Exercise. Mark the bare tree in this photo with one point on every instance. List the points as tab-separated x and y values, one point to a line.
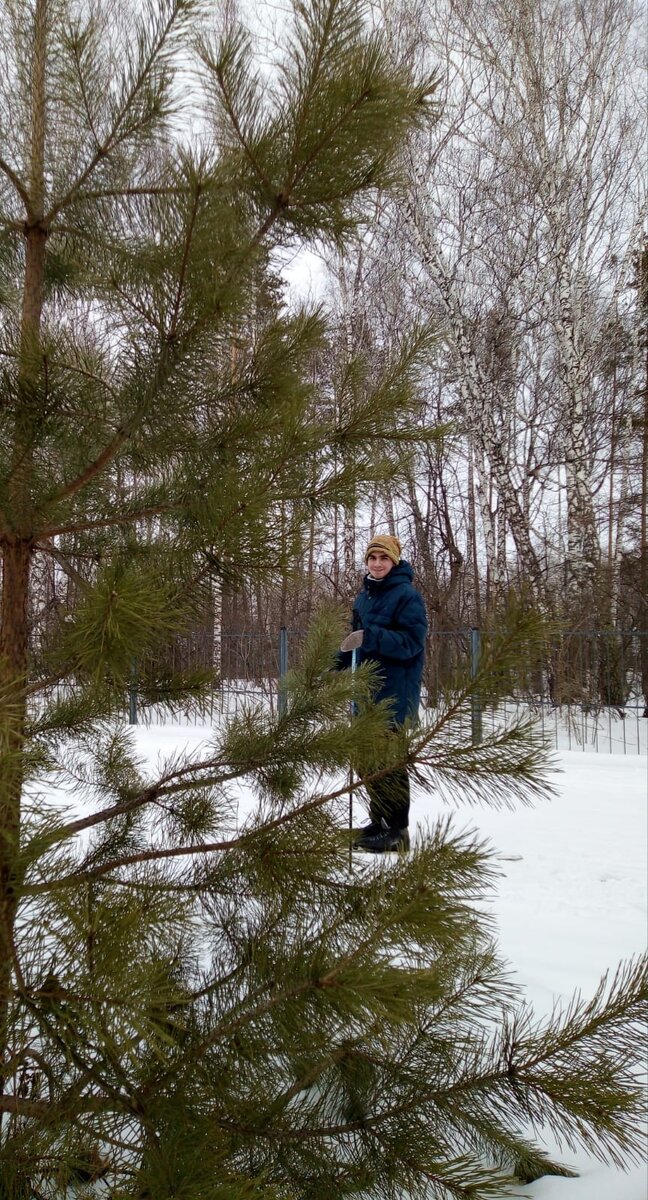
521	219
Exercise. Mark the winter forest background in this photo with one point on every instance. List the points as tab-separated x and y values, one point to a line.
521	242
274	276
518	251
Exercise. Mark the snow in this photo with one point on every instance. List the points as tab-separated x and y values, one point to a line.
594	1183
571	902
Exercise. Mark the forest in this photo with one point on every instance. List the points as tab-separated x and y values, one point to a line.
274	277
509	271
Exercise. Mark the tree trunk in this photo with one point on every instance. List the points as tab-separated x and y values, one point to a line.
475	395
473	593
13	667
18	534
482	492
583	551
643	548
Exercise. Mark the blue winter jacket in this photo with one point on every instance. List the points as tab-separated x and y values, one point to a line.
392	614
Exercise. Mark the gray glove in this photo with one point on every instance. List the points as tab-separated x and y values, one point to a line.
353	640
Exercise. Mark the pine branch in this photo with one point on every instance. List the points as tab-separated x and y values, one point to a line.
182	274
248	252
61	1038
231	57
63	562
195	849
40	685
325	31
112	522
325	141
166	786
146	190
81	80
460	1178
161	853
167	363
94	468
17	183
135	307
114	137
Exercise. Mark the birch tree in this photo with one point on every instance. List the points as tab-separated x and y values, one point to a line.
523	216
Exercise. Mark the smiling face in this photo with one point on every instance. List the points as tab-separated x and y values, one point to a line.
379	564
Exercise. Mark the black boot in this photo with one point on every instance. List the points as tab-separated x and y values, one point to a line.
389	800
382	839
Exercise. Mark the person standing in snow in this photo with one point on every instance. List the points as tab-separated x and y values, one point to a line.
389	627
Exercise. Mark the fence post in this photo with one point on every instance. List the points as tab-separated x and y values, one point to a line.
475	699
132	695
283	666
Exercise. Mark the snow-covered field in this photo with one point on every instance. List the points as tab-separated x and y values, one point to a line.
571	903
572	900
572	727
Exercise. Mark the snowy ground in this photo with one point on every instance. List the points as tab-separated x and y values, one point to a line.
572	727
571	903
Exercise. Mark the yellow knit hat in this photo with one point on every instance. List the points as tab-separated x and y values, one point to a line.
385	544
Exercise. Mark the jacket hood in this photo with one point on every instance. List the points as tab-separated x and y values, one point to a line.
400	573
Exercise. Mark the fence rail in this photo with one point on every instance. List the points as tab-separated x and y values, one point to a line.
586	689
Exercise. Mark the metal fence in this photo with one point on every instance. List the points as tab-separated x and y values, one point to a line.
584	689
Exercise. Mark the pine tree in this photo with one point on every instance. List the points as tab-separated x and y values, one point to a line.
188	1008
